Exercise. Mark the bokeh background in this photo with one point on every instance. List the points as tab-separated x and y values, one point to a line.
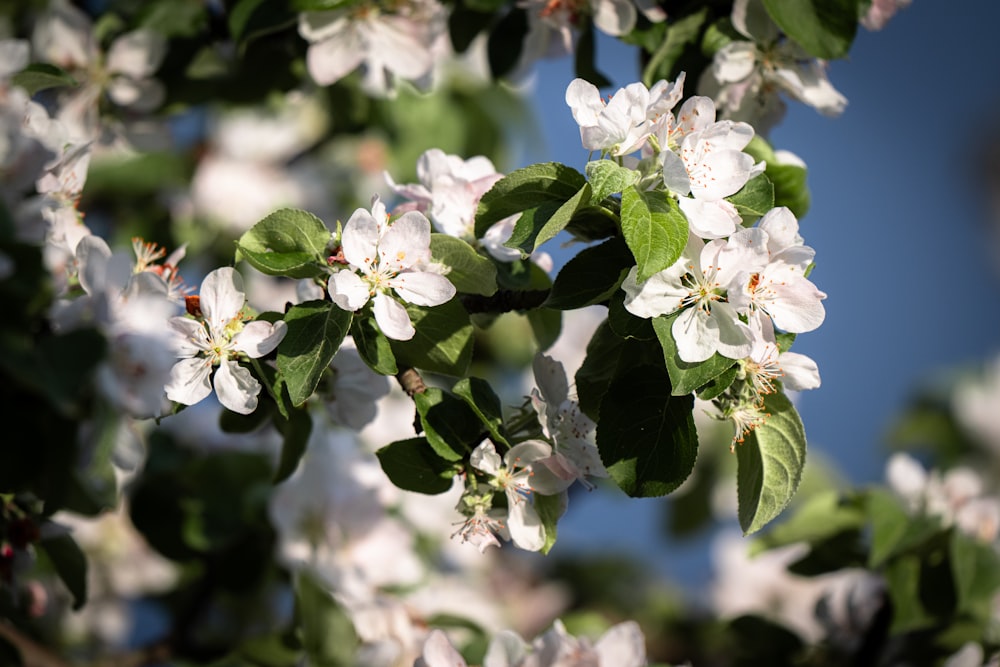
904	222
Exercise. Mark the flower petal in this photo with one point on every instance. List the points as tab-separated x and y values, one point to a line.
259	337
189	381
348	290
236	388
221	297
392	318
423	288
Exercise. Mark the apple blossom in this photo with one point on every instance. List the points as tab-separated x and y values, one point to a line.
385	256
403	44
575	455
697	285
220	338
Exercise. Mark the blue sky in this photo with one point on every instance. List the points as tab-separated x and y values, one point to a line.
897	220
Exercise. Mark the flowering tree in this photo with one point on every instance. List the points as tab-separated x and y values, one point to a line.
384	387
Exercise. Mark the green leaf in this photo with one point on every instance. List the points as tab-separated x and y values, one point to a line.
646	436
550	509
624	323
894	531
288	242
249	19
470	273
686	377
682	33
770	463
527	188
902	577
655	230
373	346
295	432
824	28
504	46
327	633
754	199
452	428
976	571
480	397
609	355
585	54
821	516
39	76
790	187
538	225
442	342
591	277
70	564
607	177
413	465
315	331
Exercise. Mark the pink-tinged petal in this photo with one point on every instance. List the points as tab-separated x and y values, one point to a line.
734	338
406	242
782	229
332	59
695	114
735	61
584	100
392	318
615	17
553	475
259	337
137	54
359	240
524	524
710	219
400	45
423	288
800	371
190	381
221	297
438	652
796	306
662	294
727	135
506	649
485	458
348	290
623	646
721	174
190	337
92	256
524	454
744	252
236	387
675	175
550	376
695	334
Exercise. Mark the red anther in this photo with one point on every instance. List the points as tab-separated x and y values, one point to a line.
192	304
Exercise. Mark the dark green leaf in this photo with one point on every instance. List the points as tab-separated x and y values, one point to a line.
754	199
592	276
414	465
609	355
504	46
328	635
824	28
470	272
624	323
821	516
70	564
315	331
295	432
540	184
249	19
682	33
480	397
442	342
686	377
646	436
288	242
655	229
717	385
607	177
976	571
550	509
39	76
452	428
373	346
585	54
894	531
770	463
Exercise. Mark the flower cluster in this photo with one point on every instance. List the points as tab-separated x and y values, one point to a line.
734	286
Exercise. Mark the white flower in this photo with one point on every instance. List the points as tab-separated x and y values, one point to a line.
622	125
220	339
623	645
571	431
386	257
356	389
767	363
518	477
697	284
780	289
404	44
